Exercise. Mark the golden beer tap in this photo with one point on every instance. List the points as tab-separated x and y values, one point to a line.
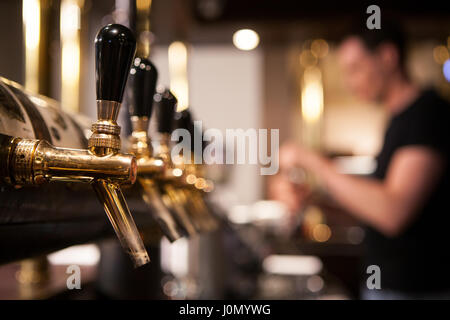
140	92
194	184
179	189
169	180
36	161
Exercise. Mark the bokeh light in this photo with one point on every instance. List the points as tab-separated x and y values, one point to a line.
307	59
319	48
191	179
321	232
440	54
446	70
245	39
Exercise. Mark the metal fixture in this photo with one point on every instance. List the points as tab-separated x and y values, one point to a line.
168	180
192	183
174	181
36	161
141	88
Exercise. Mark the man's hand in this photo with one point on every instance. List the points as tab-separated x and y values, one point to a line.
294	155
387	205
289	186
292	195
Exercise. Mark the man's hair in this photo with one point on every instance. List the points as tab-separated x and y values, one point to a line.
390	32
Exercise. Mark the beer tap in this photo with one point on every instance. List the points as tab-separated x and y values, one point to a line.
36	161
141	89
193	184
178	188
169	181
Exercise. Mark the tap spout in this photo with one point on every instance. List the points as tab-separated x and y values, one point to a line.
116	208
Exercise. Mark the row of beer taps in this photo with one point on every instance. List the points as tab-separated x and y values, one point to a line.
174	192
168	188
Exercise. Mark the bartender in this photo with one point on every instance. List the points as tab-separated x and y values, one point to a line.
406	203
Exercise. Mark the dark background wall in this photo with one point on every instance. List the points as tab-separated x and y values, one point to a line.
11	40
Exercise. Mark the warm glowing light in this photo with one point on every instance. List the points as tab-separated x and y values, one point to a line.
209	186
70	63
319	48
178	74
245	39
178	160
31	20
191	179
440	54
292	265
87	254
446	70
143	4
200	183
313	215
307	59
177	172
70	18
312	95
70	54
321	232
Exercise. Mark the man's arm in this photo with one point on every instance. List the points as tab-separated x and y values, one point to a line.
386	205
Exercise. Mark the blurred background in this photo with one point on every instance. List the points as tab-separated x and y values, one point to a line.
234	64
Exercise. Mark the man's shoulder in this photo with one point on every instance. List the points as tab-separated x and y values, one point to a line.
430	101
426	122
430	108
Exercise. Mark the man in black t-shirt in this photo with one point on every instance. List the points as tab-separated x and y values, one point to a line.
406	204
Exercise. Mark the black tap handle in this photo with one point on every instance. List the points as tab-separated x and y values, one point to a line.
183	120
141	87
165	110
115	46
